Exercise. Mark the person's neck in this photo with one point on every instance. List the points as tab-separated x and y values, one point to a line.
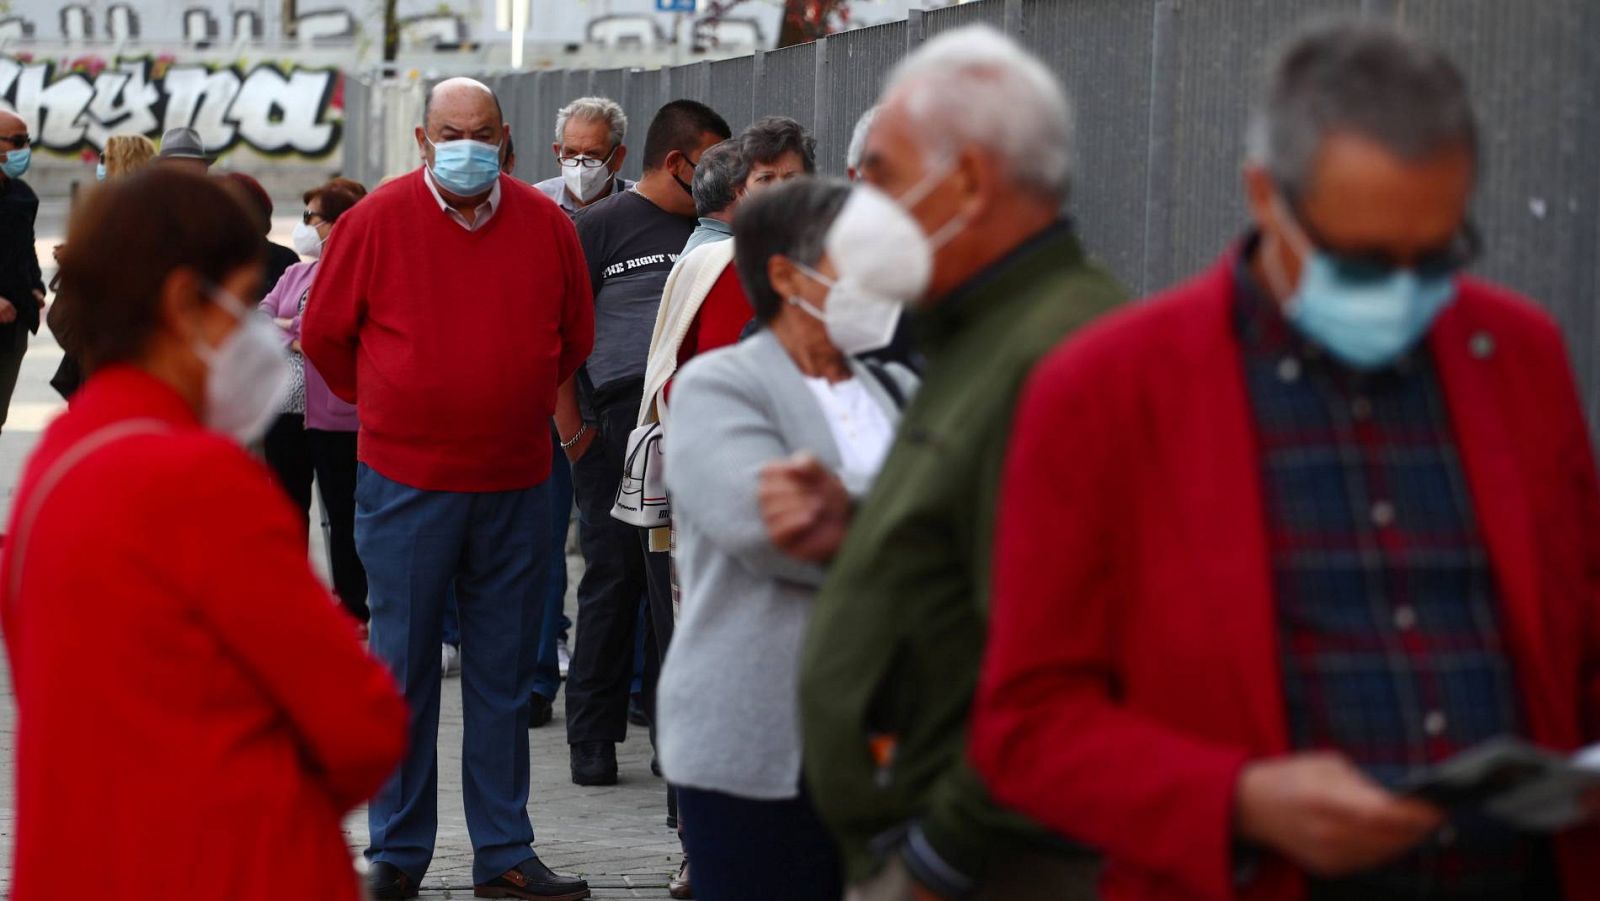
808	346
660	188
166	369
725	217
997	238
466	206
1262	272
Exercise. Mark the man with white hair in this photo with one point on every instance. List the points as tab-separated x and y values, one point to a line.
858	144
966	168
589	146
1279	545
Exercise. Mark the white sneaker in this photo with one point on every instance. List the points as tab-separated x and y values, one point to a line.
563	658
451	661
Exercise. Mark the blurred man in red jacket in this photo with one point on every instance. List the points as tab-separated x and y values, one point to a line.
1266	549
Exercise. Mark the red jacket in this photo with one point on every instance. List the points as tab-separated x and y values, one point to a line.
451	343
1133	662
192	705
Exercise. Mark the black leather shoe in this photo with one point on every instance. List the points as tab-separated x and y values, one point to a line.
594	763
388	882
681	887
532	879
544	710
636	714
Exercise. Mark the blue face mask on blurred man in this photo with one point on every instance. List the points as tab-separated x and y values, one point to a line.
465	168
1366	314
17	161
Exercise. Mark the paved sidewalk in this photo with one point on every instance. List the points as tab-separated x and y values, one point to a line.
615	837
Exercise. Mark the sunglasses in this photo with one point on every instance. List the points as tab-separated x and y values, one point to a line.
17	141
307	216
1369	266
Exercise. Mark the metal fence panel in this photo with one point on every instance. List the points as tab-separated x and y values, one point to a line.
858	62
731	92
989	12
1101	49
1212	66
1535	80
788	85
643	94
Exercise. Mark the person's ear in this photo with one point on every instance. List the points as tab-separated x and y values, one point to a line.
784	276
422	143
618	157
1259	191
555	148
181	302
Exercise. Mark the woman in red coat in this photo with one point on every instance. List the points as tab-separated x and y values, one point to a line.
191	701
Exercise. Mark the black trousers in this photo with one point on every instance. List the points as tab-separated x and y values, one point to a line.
297	454
13	345
618	573
743	848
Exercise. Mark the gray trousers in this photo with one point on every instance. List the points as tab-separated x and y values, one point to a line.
1024	876
13	345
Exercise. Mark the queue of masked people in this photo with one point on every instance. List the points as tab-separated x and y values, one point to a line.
947	571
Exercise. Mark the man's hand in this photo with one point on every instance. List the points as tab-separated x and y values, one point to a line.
576	451
805	507
8	312
38	297
1322	813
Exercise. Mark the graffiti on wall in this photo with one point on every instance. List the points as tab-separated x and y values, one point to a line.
274	110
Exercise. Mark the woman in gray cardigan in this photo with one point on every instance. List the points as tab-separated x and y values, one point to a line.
728	703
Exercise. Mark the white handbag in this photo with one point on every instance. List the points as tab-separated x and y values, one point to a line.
642	494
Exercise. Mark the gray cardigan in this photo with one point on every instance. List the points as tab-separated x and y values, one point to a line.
728	701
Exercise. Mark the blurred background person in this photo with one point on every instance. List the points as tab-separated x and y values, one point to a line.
124	155
718	185
182	148
589	146
314	433
1363	477
455	399
247	717
858	144
279	258
729	703
967	165
21	280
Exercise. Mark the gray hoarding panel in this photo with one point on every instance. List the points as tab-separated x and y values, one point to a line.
608	83
987	12
732	94
641	97
789	84
1216	57
1101	51
1534	71
858	62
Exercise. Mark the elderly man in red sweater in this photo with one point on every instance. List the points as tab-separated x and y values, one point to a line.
1278	544
451	304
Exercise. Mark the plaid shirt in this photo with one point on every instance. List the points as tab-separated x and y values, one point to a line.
1388	622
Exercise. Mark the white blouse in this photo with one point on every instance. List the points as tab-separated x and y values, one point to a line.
860	427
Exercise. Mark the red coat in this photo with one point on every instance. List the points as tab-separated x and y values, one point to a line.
1133	662
195	714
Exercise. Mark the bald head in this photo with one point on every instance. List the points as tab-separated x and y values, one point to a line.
11	123
461	101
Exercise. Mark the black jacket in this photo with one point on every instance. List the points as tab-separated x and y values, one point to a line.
19	265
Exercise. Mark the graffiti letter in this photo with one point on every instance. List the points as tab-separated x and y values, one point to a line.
199	98
123	102
276	114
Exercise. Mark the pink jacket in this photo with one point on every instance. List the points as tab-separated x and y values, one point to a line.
323	410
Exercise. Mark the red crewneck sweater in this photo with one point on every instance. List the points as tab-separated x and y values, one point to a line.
451	343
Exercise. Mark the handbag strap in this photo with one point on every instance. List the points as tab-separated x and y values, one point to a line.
890	386
95	441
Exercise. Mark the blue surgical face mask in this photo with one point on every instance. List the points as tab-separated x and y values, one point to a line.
17	162
100	171
1367	323
465	168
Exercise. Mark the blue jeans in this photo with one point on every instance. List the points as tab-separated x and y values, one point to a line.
494	547
547	672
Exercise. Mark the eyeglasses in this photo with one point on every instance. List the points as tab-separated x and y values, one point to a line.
1356	267
584	160
17	141
308	215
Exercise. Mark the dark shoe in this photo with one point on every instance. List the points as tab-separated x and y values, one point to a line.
636	714
655	766
594	763
543	710
680	887
388	882
532	879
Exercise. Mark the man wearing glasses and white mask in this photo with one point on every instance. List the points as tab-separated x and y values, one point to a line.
588	145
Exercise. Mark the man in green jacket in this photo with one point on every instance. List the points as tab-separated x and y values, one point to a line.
973	141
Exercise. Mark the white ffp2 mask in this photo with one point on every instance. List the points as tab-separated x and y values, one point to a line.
247	376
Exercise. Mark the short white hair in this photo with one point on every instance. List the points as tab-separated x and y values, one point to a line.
858	139
974	85
593	109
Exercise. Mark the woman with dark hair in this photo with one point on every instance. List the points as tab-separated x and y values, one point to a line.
315	432
183	681
728	702
775	150
258	201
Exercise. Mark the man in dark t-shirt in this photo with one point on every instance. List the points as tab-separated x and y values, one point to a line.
630	240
